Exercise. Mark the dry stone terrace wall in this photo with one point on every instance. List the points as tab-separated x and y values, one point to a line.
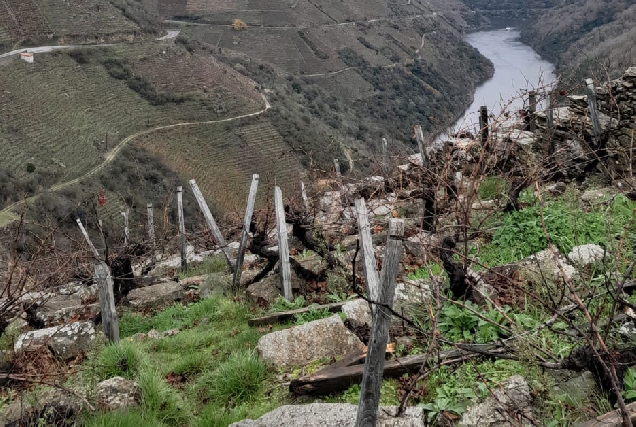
617	99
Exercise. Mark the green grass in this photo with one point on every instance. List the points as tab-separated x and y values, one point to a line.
220	377
568	224
210	265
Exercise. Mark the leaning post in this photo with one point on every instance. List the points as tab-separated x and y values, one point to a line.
368	255
126	231
88	240
216	232
283	245
483	123
182	234
374	363
110	323
428	220
249	211
151	226
593	108
532	100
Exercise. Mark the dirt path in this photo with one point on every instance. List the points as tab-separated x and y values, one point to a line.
7	215
44	49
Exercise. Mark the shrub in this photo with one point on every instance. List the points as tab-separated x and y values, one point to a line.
30	167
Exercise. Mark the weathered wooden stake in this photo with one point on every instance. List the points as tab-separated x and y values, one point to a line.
251	201
419	136
304	195
374	363
216	232
385	162
126	231
550	124
483	123
532	111
88	239
182	235
591	105
283	246
110	323
151	225
368	255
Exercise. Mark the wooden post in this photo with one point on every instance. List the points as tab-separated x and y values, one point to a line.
550	125
532	111
336	164
283	246
419	136
110	323
374	363
151	225
304	195
483	123
591	105
368	255
385	163
126	231
216	232
88	240
251	201
182	236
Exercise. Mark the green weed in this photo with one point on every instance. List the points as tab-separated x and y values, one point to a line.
210	265
123	359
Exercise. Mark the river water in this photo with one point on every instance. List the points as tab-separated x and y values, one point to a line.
518	69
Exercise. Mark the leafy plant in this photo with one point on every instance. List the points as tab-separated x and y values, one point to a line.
282	304
462	324
425	273
312	314
629	385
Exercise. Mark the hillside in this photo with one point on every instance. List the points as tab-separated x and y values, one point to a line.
582	37
26	23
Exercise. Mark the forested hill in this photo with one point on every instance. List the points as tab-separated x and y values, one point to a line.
582	37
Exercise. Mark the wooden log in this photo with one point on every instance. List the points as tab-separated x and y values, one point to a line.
216	232
247	220
374	364
283	245
611	419
110	323
550	125
368	255
329	381
151	225
284	316
483	123
182	235
88	239
593	108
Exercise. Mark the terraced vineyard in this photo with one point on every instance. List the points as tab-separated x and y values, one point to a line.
196	73
40	20
62	117
222	159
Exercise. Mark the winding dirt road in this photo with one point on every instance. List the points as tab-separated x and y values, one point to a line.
7	215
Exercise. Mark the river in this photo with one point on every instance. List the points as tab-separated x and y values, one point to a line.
518	69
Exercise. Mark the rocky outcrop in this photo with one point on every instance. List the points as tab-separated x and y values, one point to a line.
155	296
51	408
300	345
332	415
66	342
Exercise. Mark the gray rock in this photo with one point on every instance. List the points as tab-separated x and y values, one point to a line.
60	309
155	296
358	311
412	292
578	389
300	345
546	266
66	342
585	255
264	292
311	266
332	415
598	195
117	393
501	409
557	189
